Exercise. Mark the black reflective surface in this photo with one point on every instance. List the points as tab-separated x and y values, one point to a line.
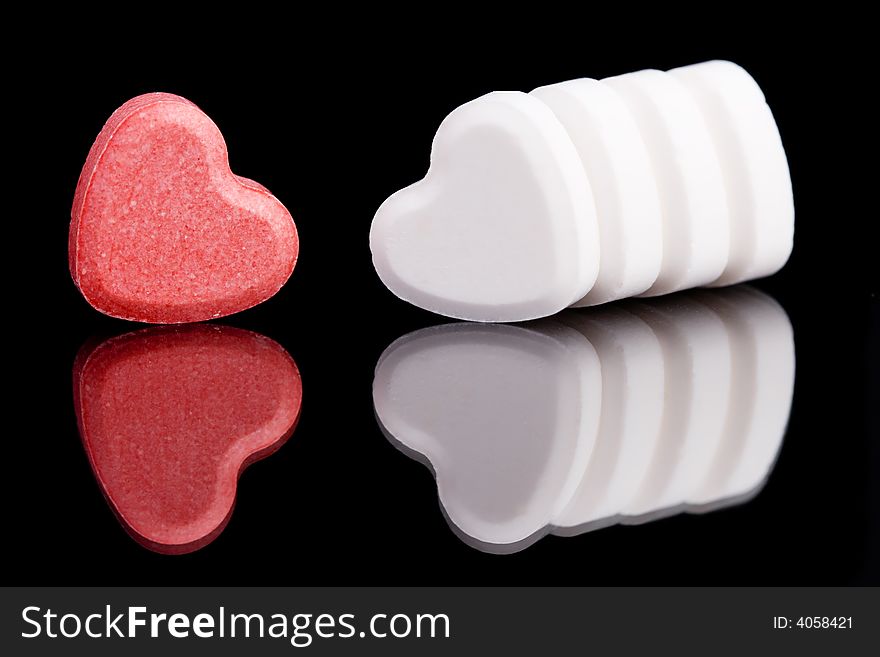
338	503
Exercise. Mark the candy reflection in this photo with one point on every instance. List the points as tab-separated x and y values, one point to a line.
616	415
170	416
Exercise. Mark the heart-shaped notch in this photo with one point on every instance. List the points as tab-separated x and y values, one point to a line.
502	227
170	416
161	229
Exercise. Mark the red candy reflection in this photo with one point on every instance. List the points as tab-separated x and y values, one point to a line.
169	418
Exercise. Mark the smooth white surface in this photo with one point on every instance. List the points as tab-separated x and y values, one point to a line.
589	191
696	233
618	167
625	414
754	165
502	227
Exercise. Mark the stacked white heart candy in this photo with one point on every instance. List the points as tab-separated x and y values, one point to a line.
588	191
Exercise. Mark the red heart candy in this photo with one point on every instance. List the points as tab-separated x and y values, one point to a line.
161	229
170	416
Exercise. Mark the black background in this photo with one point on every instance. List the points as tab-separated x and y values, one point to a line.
333	125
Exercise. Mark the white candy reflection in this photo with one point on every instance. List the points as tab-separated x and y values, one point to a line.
616	415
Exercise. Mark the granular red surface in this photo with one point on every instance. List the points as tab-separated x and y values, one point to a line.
170	416
162	231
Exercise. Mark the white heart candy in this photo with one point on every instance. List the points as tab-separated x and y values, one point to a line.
754	164
619	170
588	191
696	231
502	227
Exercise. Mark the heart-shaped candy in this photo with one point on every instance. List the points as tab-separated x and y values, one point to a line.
748	144
640	184
503	226
618	166
170	416
162	231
